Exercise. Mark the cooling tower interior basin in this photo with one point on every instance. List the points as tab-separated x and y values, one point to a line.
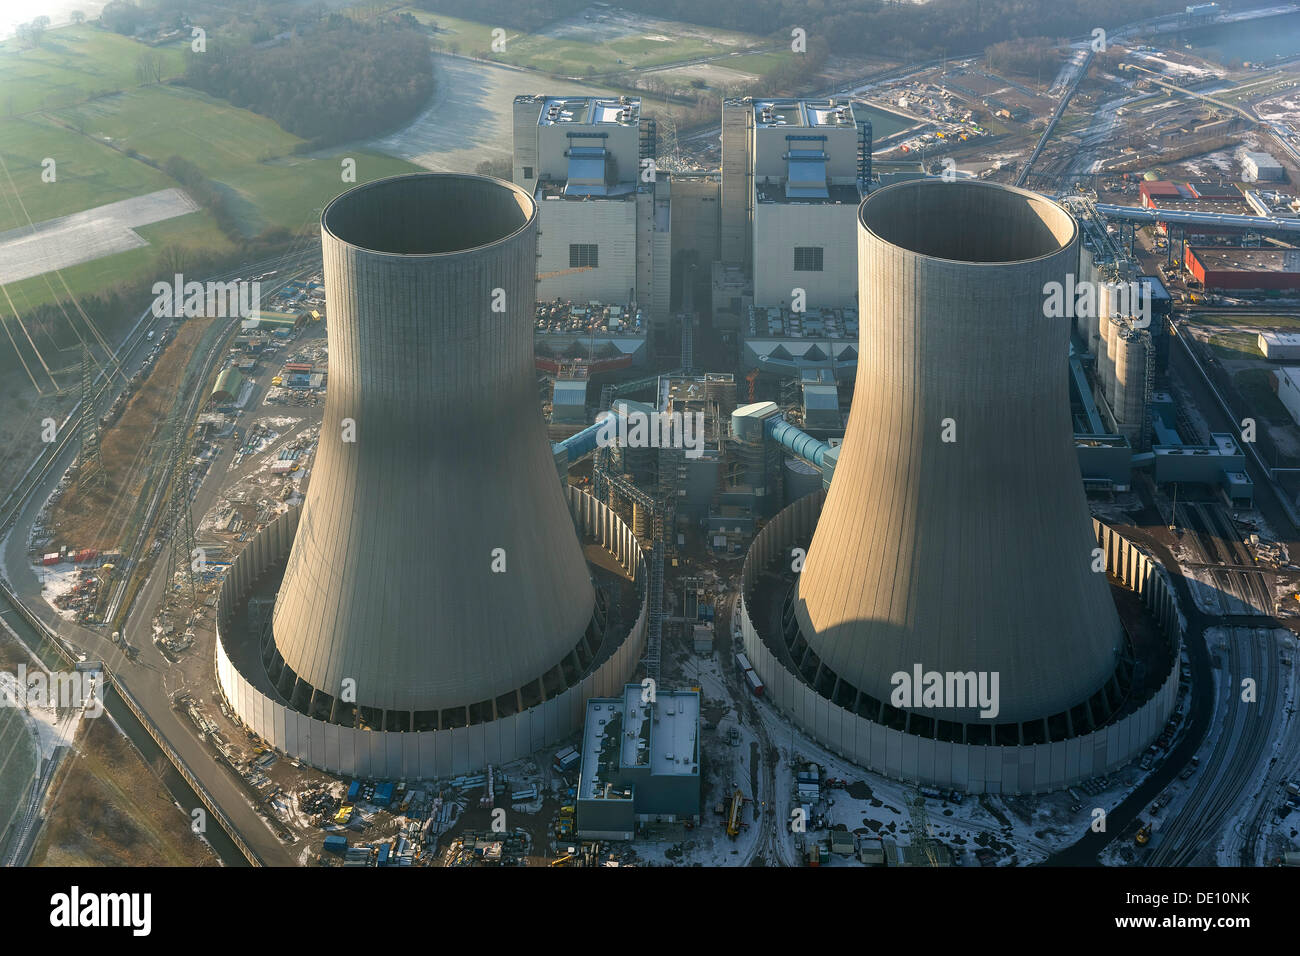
422	215
966	221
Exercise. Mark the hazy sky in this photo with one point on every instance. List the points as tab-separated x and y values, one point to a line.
14	12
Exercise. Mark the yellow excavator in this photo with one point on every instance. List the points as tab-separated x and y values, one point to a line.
1143	836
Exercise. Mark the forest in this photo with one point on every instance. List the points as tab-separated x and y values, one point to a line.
335	81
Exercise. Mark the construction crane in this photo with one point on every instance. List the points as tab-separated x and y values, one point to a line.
921	829
751	378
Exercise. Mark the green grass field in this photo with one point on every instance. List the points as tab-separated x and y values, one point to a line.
85	109
72	64
87	173
1257	390
574	56
247	153
1236	345
1279	322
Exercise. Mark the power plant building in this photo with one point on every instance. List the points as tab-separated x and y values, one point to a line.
605	224
434	609
640	762
792	177
955	538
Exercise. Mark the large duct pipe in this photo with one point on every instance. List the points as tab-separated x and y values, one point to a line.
955	534
436	564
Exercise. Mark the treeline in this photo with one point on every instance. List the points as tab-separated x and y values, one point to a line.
339	80
1034	56
526	15
204	192
857	27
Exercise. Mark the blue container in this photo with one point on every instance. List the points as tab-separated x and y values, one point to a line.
336	843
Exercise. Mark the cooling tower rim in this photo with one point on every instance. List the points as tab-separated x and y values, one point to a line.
967	184
526	200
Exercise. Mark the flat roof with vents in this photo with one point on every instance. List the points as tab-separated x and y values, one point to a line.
627	733
590	110
803	113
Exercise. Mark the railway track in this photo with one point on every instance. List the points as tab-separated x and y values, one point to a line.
1240	586
39	472
1227	775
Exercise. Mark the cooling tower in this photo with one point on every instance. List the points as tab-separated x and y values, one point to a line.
435	562
955	534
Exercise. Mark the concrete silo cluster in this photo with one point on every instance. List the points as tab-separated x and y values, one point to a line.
1122	342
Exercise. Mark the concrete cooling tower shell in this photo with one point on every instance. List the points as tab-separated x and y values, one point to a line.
435	563
955	534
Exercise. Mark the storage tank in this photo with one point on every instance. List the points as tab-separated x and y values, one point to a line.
1132	348
1085	319
1106	367
801	479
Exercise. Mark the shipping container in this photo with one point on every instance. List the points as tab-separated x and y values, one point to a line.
336	843
383	854
565	759
353	789
743	663
755	684
51	558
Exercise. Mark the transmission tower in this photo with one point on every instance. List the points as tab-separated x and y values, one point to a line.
670	154
179	518
90	468
921	829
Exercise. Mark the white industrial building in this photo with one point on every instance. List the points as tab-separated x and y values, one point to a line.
1287	383
604	217
1257	167
790	189
1280	346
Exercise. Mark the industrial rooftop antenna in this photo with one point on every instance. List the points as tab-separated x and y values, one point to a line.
90	468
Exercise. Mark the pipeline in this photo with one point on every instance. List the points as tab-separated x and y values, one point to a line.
796	440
